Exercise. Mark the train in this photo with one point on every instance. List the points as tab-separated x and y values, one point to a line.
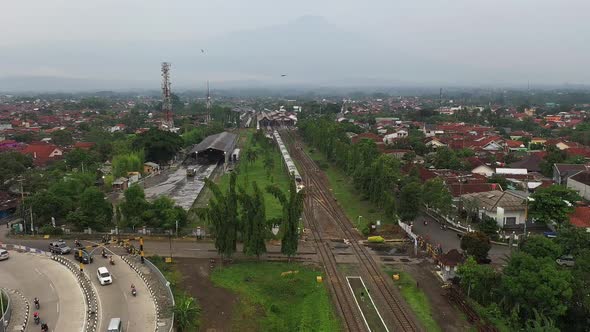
289	162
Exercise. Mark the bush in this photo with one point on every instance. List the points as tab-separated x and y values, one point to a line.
50	230
365	230
376	239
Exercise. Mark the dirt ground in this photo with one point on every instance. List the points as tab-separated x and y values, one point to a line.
216	303
449	318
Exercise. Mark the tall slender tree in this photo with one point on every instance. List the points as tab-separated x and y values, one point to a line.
292	209
253	223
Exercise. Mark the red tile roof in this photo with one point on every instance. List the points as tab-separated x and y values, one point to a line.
514	144
84	145
581	217
41	152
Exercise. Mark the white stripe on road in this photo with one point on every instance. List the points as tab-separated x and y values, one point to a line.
53	288
58	307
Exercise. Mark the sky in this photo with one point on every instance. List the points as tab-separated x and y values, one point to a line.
120	43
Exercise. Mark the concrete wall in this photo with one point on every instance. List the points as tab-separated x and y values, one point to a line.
581	188
519	215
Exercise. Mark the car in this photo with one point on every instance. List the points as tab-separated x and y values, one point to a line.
566	260
82	256
103	275
59	247
115	325
3	254
550	235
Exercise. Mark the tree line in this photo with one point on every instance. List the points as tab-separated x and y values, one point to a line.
377	176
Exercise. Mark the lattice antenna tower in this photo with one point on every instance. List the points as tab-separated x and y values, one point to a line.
208	104
166	93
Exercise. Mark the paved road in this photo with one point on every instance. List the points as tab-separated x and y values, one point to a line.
137	313
62	301
176	185
449	239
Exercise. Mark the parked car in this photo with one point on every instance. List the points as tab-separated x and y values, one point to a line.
550	235
566	260
82	256
3	254
103	275
115	325
59	247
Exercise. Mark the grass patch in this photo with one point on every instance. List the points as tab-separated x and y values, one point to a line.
255	172
348	196
270	302
415	298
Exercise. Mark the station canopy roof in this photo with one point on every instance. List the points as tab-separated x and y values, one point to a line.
224	142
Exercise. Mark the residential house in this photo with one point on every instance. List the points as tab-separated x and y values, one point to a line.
479	167
512	145
150	167
508	208
449	263
580	182
389	138
459	189
434	143
121	184
561	172
519	134
581	217
43	153
531	163
431	130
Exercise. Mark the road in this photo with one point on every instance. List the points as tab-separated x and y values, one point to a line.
449	239
61	299
175	184
137	313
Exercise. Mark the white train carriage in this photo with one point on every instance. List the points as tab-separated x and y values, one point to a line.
288	161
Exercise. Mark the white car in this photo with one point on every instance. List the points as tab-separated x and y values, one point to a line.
3	254
104	277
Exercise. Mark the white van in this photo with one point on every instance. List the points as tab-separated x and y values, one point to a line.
115	325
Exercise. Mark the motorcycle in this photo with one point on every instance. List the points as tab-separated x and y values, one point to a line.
37	305
133	291
36	318
44	327
112	261
104	254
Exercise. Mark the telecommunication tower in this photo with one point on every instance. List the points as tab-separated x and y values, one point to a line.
208	120
166	99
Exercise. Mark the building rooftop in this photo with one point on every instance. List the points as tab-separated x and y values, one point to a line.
490	200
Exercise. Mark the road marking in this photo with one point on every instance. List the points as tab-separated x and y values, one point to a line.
58	307
38	272
127	329
53	288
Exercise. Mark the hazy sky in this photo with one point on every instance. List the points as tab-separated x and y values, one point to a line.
367	42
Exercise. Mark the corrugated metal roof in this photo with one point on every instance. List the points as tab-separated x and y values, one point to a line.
223	142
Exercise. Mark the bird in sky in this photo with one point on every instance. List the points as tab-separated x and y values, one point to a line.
283	75
202	51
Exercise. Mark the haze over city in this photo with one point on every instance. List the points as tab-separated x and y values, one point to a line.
74	45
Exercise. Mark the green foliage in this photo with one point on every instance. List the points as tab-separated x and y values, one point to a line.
80	157
50	230
410	200
62	137
499	180
449	159
553	204
135	211
253	222
186	310
12	165
292	209
476	244
271	302
540	247
489	227
531	283
436	195
159	146
480	282
222	215
554	155
129	162
196	135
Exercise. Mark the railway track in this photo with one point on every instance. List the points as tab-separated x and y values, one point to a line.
317	193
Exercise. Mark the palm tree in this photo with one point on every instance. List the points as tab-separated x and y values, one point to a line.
292	209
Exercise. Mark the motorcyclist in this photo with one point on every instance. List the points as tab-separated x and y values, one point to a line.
36	317
44	327
36	301
104	253
112	261
77	243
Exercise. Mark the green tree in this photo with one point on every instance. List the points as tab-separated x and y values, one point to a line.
159	146
499	180
292	209
531	283
79	157
269	164
253	221
46	204
222	214
97	211
62	137
410	200
553	204
540	247
479	282
12	165
554	155
437	196
134	205
476	244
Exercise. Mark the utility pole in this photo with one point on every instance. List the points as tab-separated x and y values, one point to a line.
208	118
166	95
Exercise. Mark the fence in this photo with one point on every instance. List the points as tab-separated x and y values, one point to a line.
5	318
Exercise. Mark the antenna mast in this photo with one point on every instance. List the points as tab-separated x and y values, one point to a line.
166	93
208	104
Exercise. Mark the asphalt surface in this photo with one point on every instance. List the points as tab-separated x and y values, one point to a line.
448	238
175	184
115	300
61	300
